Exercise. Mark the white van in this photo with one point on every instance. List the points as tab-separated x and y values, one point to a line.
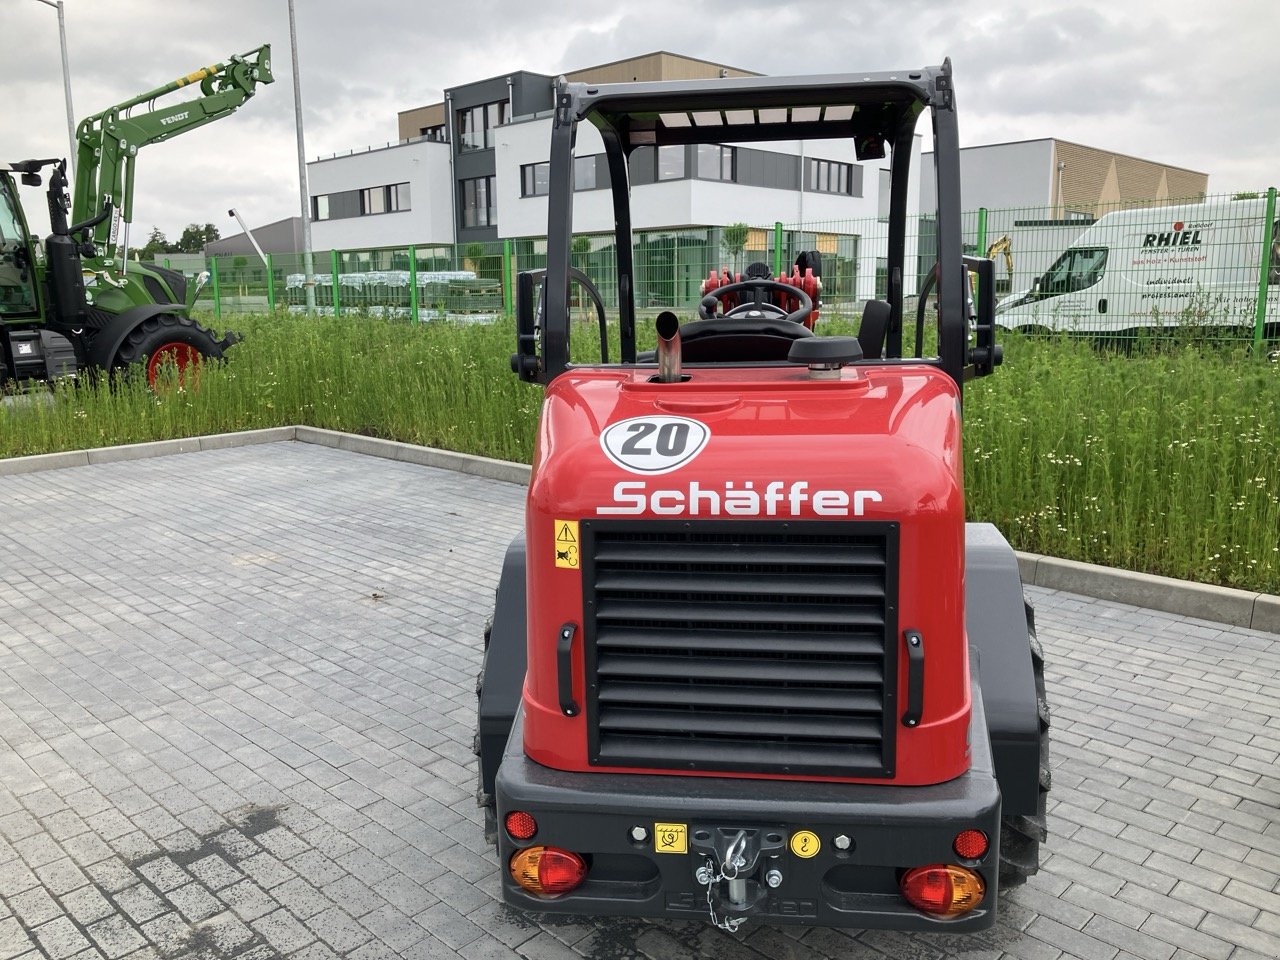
1164	267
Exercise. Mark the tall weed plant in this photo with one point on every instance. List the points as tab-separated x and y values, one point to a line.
1162	460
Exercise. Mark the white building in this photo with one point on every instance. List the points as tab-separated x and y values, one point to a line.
1042	194
474	169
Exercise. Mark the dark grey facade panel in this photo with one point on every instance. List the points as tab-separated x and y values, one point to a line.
477	234
345	204
643	166
530	93
283	236
762	168
474	94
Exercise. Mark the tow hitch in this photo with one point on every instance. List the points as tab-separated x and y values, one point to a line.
737	866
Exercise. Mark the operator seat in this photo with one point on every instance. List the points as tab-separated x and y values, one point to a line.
740	339
873	329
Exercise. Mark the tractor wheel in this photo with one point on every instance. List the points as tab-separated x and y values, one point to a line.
1021	835
165	341
485	801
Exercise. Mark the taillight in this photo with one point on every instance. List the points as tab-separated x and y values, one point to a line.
971	844
548	871
943	890
521	825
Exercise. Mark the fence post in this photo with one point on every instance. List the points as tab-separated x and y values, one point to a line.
508	274
333	270
777	248
1264	269
217	292
982	245
271	285
413	283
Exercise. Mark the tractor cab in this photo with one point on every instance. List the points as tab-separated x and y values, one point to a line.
18	291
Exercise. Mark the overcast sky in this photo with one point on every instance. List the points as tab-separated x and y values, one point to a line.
1185	82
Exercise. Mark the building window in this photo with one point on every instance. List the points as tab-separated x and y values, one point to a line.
436	133
829	176
715	162
320	208
478	203
476	125
373	200
398	197
671	162
584	173
535	179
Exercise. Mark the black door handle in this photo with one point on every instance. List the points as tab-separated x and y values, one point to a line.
564	669
915	678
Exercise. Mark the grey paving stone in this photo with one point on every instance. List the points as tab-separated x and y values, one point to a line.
282	931
194	902
59	938
14	941
248	900
116	937
168	932
34	907
87	905
140	903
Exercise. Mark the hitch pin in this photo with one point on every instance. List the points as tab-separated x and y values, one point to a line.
733	858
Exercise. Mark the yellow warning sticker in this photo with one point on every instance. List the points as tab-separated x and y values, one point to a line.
670	838
567	544
805	844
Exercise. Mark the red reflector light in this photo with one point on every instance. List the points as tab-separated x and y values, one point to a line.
943	890
548	871
971	844
521	825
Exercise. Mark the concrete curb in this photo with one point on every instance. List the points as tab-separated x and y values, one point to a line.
1241	608
485	467
141	451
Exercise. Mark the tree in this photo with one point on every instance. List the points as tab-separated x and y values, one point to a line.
194	237
734	240
156	245
473	254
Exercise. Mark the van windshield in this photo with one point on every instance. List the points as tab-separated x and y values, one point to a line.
1078	268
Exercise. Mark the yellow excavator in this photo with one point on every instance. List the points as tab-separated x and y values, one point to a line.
1003	246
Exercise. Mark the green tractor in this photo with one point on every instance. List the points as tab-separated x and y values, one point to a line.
82	305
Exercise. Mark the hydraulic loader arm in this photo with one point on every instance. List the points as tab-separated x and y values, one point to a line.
109	141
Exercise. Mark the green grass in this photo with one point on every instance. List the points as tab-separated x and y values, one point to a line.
1166	462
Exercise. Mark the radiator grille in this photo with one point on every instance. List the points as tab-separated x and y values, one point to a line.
753	646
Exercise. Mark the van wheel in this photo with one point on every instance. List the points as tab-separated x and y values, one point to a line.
1021	835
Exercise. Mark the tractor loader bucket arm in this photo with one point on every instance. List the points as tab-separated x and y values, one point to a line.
109	141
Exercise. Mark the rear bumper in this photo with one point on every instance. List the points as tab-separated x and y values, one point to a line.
889	828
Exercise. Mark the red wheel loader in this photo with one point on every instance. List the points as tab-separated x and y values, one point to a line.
747	660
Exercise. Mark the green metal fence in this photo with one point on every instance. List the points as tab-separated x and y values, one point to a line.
1209	266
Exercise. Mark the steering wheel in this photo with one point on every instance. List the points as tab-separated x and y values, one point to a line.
758	308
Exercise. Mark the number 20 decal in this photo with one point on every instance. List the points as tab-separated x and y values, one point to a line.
652	445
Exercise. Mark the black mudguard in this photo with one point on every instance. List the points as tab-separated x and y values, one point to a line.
504	665
106	342
999	625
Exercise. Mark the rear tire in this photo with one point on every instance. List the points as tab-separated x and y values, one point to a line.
485	801
167	339
1022	834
